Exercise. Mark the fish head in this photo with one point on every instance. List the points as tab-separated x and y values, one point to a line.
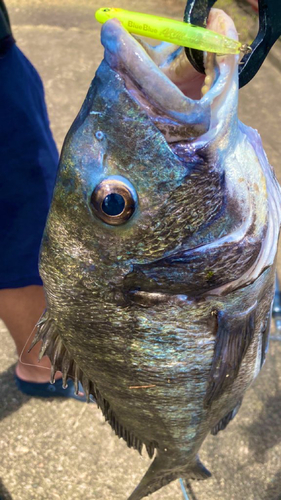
143	168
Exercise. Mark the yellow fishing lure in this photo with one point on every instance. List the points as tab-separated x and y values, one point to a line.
168	30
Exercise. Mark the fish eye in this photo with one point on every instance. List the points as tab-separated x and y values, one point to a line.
114	200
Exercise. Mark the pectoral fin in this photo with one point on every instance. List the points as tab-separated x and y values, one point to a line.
233	337
221	425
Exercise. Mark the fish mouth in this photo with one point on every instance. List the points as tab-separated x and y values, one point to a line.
180	101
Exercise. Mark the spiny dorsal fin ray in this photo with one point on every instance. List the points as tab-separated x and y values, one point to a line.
43	327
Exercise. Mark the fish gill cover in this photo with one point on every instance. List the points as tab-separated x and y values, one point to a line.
158	257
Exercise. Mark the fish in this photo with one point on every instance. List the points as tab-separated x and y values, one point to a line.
159	253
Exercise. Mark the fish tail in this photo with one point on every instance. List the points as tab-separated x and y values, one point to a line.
162	472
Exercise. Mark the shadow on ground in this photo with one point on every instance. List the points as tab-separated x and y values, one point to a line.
4	494
11	399
273	490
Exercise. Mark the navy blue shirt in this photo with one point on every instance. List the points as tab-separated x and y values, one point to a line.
28	165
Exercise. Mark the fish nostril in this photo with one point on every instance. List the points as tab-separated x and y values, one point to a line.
99	135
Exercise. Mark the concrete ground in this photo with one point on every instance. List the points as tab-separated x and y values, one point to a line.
63	449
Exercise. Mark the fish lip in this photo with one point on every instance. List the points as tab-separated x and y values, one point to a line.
126	55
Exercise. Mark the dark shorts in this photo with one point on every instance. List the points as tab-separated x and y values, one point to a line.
28	165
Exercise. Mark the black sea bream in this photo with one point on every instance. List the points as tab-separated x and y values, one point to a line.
158	258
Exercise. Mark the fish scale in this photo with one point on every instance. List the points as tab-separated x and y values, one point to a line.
161	310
